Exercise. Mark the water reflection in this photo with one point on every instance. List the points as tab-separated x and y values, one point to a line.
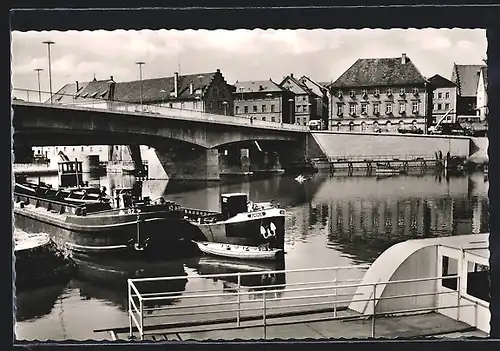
36	303
107	280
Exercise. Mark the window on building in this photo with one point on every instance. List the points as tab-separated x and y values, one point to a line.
339	125
376	109
434	95
254	108
352	92
414	107
447	95
434	107
237	109
352	109
304	98
263	108
339	93
439	107
402	107
351	127
340	110
272	108
364	109
389	91
263	118
446	107
388	108
364	92
376	92
363	126
440	95
210	105
305	108
402	91
415	91
273	119
246	109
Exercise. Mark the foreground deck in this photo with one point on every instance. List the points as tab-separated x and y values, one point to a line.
353	326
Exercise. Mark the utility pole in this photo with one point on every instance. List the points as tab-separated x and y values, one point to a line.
140	63
48	42
38	70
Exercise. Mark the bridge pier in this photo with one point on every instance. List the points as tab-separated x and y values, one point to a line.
189	163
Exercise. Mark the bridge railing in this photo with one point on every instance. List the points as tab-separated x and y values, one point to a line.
158	109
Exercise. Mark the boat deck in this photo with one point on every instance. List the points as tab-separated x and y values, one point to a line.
42	211
312	327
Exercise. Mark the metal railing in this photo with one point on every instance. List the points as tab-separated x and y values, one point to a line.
158	109
333	298
381	158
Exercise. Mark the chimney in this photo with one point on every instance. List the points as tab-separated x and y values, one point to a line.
403	59
176	84
77	86
291	75
191	88
218	70
111	78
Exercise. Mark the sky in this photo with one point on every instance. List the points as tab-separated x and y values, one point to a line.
322	55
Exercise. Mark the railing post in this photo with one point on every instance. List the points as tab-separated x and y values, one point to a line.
475	315
131	330
335	293
141	309
374	307
459	296
239	301
264	313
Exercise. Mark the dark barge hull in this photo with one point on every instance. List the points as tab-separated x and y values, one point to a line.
159	237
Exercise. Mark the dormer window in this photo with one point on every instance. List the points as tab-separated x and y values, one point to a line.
402	91
103	93
352	93
93	95
339	94
389	91
415	91
364	93
376	92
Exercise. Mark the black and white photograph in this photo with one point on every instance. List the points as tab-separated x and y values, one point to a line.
250	184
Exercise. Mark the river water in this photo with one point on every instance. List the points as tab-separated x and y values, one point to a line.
332	220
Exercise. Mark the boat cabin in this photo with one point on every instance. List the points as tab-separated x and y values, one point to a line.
233	204
70	173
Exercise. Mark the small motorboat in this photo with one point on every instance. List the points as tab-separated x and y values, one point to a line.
238	251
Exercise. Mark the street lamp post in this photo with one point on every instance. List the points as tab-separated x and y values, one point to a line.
140	63
48	42
38	70
163	92
291	110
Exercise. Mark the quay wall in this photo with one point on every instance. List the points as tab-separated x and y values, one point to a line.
352	145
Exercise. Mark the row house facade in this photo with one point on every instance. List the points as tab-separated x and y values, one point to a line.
321	97
444	99
386	93
263	100
466	77
307	104
205	92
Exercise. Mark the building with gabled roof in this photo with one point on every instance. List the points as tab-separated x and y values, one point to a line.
322	99
381	93
444	98
263	100
467	79
305	100
482	93
67	93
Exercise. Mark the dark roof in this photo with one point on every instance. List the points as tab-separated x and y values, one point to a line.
297	88
438	81
257	86
311	85
152	88
96	89
467	78
67	92
380	72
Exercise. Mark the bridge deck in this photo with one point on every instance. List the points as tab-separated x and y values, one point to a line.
312	327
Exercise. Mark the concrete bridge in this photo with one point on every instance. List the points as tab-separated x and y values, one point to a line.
189	144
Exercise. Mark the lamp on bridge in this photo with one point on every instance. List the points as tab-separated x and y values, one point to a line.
48	42
225	103
38	70
140	63
163	92
291	110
